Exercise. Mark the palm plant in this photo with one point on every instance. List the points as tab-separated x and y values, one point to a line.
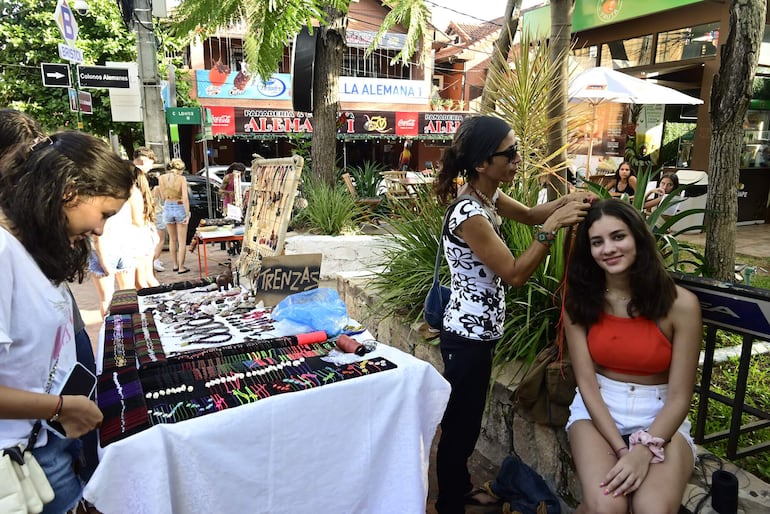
367	178
330	209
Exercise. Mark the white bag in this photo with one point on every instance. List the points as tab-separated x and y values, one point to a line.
24	488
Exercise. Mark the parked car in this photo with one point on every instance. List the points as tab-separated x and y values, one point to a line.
196	193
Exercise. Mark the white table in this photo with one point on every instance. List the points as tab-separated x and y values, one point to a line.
357	446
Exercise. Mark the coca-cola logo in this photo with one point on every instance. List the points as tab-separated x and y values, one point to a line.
222	119
407	124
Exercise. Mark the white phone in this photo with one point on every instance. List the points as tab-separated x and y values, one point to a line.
79	381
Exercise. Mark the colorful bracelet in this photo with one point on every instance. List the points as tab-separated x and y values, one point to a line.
654	444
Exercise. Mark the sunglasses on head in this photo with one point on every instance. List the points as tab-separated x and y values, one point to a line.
510	153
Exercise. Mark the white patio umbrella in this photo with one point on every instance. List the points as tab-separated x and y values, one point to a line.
598	85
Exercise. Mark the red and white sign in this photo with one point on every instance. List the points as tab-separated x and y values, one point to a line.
222	120
407	123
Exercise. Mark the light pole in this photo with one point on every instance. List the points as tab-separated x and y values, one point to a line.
153	115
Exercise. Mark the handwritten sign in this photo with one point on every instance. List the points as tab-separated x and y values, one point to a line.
283	275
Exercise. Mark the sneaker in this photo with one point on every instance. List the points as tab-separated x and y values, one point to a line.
158	266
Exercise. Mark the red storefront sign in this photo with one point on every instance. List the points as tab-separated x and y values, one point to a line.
239	120
222	121
432	123
407	123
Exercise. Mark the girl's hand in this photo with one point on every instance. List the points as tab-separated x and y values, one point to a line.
79	415
628	473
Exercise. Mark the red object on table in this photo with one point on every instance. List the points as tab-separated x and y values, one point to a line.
203	239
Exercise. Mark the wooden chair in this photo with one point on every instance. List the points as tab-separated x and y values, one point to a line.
367	205
395	188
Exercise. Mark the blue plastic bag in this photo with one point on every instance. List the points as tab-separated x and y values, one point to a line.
320	309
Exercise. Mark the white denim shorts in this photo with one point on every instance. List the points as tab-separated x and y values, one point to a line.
632	406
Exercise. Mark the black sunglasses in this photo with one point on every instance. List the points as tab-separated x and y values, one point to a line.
510	153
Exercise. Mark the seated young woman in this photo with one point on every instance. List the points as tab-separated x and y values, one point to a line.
634	338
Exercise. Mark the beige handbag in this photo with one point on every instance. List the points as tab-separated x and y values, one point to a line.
24	488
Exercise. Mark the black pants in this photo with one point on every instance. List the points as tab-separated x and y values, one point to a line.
467	368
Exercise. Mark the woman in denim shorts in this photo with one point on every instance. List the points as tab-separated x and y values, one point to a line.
634	337
176	211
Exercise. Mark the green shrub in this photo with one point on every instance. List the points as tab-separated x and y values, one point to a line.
367	178
330	210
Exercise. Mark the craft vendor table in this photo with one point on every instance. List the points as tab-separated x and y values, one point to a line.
359	445
215	236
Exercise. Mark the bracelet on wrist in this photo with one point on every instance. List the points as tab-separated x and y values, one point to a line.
545	237
617	452
57	412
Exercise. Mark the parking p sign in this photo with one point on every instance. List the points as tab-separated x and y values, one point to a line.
65	20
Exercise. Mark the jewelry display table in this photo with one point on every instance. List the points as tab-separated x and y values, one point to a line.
359	445
215	236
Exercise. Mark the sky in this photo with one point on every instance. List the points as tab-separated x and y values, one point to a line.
445	11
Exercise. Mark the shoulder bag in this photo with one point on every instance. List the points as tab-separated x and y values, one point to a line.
438	295
546	391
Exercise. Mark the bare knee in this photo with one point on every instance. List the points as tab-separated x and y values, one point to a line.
649	505
601	504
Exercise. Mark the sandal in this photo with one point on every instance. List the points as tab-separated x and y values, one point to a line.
470	497
184	270
175	269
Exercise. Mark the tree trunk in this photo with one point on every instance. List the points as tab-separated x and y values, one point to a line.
326	95
561	36
499	59
730	97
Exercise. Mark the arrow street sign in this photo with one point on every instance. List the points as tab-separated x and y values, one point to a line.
55	74
96	77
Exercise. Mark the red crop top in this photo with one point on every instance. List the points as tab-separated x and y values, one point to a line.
633	346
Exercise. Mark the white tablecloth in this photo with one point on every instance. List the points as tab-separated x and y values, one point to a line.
357	446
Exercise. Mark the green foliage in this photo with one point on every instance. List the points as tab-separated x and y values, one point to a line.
673	133
301	145
330	209
415	16
367	178
29	37
408	263
269	23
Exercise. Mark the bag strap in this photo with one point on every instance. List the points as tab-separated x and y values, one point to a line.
444	228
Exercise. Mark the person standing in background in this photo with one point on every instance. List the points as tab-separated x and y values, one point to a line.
160	225
146	233
176	211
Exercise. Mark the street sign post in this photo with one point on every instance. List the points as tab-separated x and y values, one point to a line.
65	20
85	102
55	74
183	116
101	77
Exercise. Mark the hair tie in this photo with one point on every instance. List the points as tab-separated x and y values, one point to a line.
40	142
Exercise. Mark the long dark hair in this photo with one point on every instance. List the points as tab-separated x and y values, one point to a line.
37	182
476	139
652	288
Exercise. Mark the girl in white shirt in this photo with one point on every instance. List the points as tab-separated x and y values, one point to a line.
54	195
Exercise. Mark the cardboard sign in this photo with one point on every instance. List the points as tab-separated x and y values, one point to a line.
283	275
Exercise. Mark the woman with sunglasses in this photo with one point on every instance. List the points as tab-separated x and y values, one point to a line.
484	152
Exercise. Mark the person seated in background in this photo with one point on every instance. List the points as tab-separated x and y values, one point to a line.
624	181
655	197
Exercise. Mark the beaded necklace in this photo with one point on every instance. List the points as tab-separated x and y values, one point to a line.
488	204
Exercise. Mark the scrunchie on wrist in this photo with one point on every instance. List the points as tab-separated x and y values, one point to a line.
654	444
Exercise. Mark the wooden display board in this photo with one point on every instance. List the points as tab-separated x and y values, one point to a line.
274	185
